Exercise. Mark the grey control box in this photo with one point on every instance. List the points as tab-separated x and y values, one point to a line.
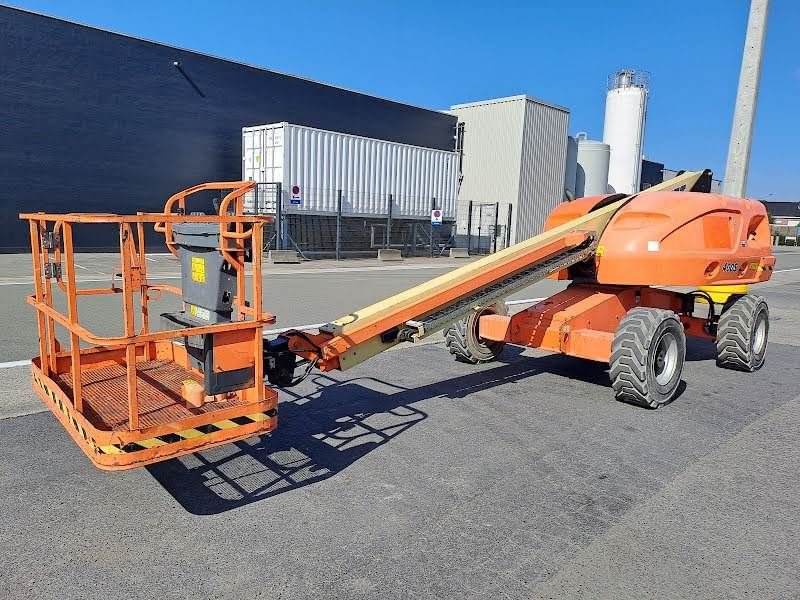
207	280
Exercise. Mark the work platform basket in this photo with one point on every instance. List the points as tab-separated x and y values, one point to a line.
122	399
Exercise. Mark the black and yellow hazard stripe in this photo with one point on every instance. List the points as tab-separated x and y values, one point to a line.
65	410
161	440
187	434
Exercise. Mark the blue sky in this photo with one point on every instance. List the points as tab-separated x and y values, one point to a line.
435	54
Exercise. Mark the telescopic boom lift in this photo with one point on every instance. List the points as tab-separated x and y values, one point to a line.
199	381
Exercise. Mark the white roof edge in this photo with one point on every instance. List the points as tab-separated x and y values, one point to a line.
516	98
215	57
363	137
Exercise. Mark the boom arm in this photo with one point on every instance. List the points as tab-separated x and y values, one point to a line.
429	307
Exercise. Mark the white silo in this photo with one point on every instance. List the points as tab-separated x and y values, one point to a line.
591	173
626	111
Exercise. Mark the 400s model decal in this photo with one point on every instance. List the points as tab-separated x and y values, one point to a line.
730	267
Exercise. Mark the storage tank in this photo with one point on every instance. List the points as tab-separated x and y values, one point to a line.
626	111
312	164
591	173
570	168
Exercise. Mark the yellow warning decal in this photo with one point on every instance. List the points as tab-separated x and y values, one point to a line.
198	269
600	250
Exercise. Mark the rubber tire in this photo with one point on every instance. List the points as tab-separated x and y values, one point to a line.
736	330
463	342
633	357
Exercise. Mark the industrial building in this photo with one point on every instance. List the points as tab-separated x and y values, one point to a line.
98	121
784	213
512	170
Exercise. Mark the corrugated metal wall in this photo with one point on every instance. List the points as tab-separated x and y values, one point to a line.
544	155
492	153
367	171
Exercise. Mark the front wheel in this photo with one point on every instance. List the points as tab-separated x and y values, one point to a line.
647	357
463	342
742	333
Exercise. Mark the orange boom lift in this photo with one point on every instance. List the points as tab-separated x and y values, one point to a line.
148	395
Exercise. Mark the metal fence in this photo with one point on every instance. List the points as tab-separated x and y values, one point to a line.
487	230
345	233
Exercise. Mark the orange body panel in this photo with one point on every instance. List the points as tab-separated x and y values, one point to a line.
565	212
679	238
581	320
686	238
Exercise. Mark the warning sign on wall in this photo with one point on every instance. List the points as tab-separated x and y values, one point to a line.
296	199
436	217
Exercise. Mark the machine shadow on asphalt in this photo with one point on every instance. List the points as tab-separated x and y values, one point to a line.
326	428
330	424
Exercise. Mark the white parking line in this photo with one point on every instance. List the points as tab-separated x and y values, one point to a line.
294	327
526	301
14	363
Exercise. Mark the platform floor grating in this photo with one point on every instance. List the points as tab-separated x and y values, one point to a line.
105	395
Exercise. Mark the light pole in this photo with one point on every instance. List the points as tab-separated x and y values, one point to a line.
735	183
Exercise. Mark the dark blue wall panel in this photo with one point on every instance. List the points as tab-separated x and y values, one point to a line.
95	121
652	173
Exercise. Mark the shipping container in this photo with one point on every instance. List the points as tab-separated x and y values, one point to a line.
313	164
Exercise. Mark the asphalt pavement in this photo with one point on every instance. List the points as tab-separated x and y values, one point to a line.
413	476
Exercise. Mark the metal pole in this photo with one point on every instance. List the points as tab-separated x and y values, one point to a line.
735	183
494	233
389	222
338	224
508	226
433	207
469	227
480	221
278	217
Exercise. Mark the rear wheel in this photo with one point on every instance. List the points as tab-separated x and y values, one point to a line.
647	357
742	333
463	342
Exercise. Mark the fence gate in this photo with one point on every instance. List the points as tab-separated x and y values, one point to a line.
483	228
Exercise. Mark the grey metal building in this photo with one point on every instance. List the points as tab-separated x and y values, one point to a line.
512	168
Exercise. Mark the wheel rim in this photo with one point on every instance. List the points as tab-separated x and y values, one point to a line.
759	335
666	358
